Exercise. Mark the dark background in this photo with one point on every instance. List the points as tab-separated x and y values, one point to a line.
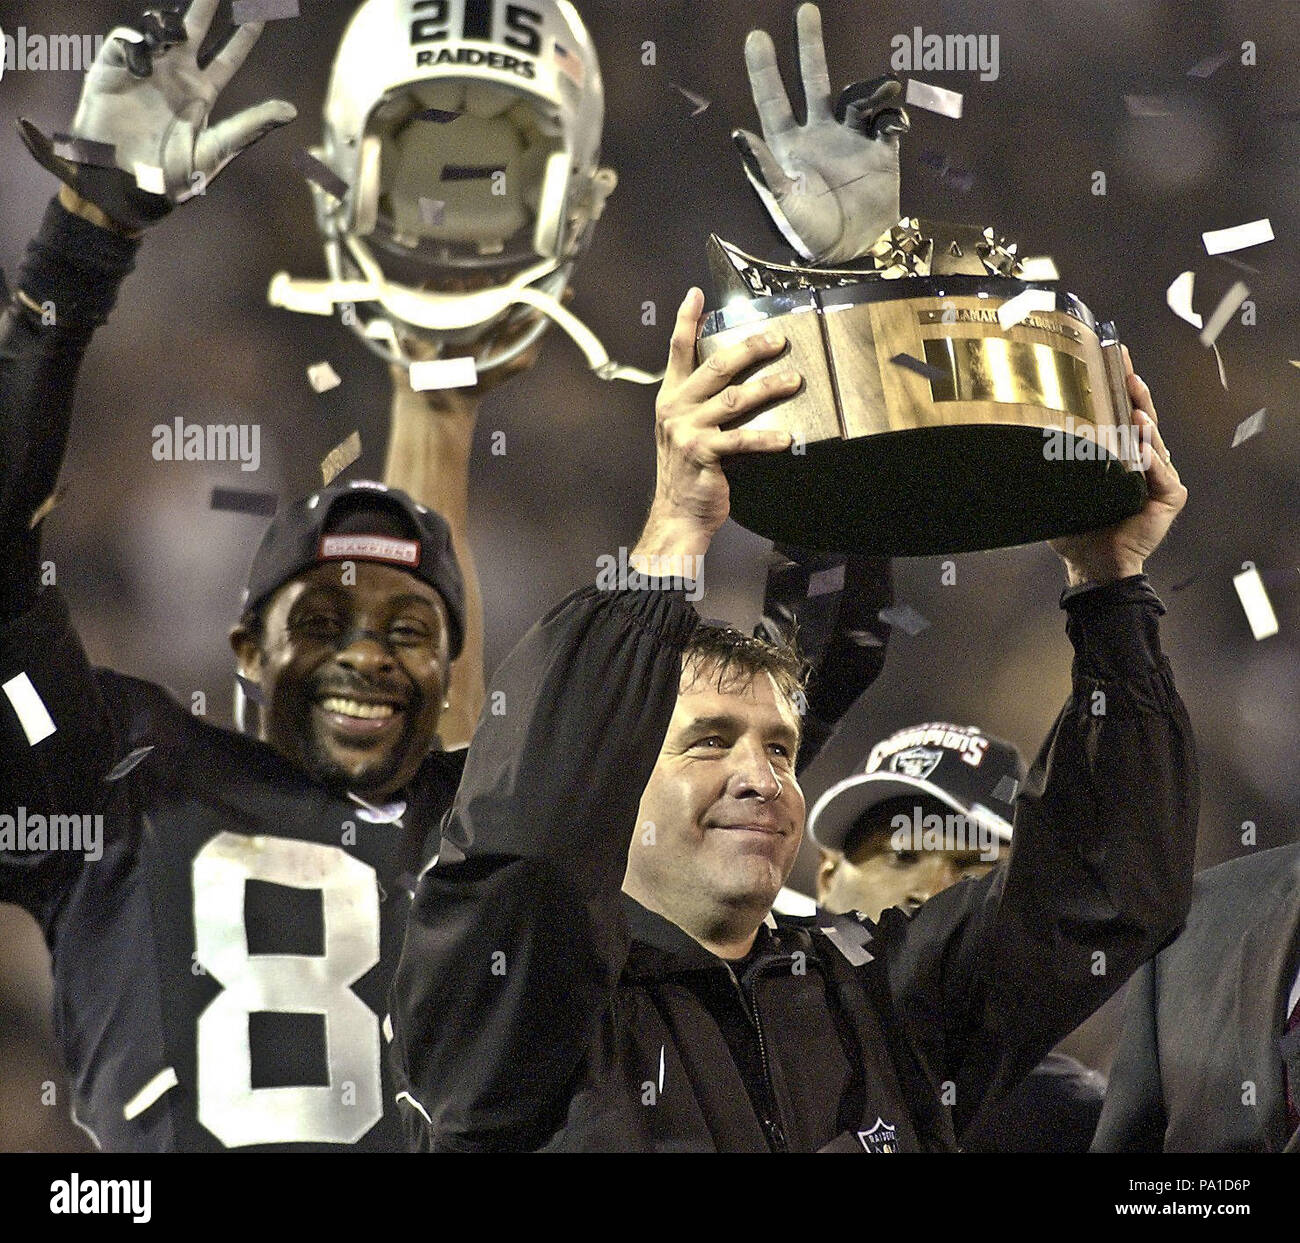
154	576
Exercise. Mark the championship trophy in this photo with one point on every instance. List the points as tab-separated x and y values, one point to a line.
927	423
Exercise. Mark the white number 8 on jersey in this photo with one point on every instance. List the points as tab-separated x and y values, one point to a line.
228	1105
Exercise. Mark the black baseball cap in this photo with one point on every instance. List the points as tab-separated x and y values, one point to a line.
360	521
960	765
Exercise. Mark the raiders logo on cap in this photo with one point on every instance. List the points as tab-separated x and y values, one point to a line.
918	762
960	766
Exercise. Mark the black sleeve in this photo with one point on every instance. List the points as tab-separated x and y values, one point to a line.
1055	1109
68	284
1133	1115
990	974
829	605
62	773
516	937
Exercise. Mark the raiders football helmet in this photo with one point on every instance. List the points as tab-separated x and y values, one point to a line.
465	139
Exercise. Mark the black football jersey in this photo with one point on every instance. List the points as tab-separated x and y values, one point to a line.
223	929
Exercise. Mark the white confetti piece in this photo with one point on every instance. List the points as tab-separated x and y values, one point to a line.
1038	268
1016	309
158	1086
1254	600
823	582
1206	68
1239	237
33	716
1146	106
697	100
1218	358
850	941
934	98
322	377
444	373
340	458
1249	427
150	179
1179	298
1227	308
906	618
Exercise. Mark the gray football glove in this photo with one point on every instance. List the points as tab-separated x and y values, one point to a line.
140	142
831	184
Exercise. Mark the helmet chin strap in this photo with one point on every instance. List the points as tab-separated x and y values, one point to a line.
597	356
443	312
381	337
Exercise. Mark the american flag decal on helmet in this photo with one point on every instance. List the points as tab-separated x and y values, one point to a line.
570	65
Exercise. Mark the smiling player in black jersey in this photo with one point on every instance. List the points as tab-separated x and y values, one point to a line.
221	956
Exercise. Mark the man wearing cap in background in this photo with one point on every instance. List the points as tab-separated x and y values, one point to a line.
933	806
224	915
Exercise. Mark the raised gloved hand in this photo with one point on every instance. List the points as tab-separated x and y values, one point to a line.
831	184
145	108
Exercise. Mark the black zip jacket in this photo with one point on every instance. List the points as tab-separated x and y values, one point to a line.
537	1007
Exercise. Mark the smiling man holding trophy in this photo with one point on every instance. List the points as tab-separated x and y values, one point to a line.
592	962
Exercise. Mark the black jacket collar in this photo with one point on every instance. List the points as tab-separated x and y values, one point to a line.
677	949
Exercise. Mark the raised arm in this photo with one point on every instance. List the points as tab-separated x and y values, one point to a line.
142	118
65	290
830	606
429	448
430	444
990	974
142	121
